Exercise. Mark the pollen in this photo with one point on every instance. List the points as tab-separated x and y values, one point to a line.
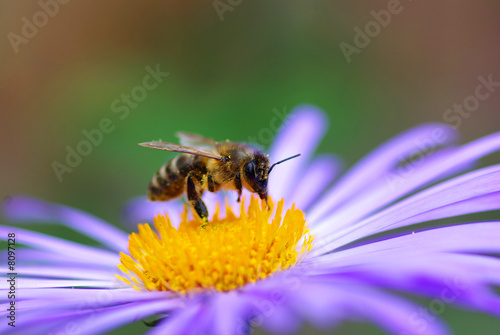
225	254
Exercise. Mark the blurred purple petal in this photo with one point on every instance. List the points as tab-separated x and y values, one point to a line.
479	237
26	283
381	160
479	204
57	245
345	300
230	310
382	192
142	210
426	174
316	177
451	278
67	272
114	317
407	264
27	256
22	208
305	127
104	297
91	318
180	322
281	319
471	185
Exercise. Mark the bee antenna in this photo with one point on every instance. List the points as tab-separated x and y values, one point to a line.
281	161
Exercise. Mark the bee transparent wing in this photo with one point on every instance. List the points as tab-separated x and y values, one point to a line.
195	140
160	145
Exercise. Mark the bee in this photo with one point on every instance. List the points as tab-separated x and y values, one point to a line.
205	164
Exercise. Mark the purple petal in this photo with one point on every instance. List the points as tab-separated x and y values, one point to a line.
405	263
25	283
301	134
379	194
479	237
348	300
19	209
57	245
427	173
103	298
262	305
316	177
229	311
181	322
67	272
281	319
114	317
453	278
27	256
213	199
142	210
89	317
322	313
472	185
67	304
483	203
383	159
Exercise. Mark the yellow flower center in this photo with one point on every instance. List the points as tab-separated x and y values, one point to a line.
225	254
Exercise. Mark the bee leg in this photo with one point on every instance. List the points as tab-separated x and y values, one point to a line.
210	183
195	200
237	184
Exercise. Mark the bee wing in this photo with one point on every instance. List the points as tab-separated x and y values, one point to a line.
195	140
160	145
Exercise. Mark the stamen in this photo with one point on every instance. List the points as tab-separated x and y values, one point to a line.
225	254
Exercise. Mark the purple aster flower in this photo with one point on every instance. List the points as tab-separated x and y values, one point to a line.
362	243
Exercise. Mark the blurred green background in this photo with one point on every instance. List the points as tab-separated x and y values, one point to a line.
227	73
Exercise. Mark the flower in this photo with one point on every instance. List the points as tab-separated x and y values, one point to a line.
376	234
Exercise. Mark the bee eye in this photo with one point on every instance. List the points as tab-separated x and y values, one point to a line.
250	169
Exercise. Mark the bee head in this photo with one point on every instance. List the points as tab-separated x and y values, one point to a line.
255	173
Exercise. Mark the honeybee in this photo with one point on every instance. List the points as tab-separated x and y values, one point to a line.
205	164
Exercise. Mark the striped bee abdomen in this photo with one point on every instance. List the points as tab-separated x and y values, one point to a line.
169	181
